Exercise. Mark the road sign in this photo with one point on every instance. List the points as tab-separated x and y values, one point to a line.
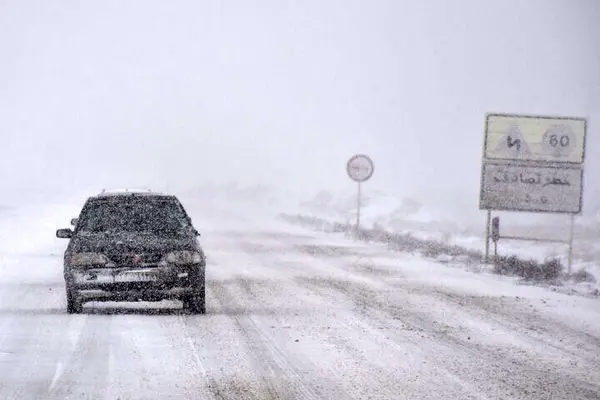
531	188
360	168
532	163
534	138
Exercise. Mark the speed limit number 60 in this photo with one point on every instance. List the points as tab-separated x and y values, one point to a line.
559	141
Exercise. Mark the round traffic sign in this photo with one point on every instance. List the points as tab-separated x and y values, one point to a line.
360	168
559	140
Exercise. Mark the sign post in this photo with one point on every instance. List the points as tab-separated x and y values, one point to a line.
533	164
495	234
487	235
360	169
570	258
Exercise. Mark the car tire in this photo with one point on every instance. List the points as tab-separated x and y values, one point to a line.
74	303
196	303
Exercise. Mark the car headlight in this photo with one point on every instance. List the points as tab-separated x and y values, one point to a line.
184	257
88	259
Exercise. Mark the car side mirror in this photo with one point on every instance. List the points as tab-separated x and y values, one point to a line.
64	233
74	221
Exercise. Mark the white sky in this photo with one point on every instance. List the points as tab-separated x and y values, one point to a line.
283	92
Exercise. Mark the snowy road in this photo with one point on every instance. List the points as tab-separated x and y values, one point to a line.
293	314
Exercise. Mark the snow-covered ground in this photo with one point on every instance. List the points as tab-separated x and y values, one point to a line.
292	313
440	220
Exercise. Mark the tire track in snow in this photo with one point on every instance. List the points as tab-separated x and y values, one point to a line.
160	358
462	360
588	388
268	355
545	332
306	268
400	336
500	362
86	367
380	383
33	345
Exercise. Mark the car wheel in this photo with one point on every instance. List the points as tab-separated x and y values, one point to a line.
74	303
196	303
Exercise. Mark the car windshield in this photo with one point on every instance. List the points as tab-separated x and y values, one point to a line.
162	217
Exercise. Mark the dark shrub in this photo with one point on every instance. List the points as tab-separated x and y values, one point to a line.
583	276
504	265
528	269
551	269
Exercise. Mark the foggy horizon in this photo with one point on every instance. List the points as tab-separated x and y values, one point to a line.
179	94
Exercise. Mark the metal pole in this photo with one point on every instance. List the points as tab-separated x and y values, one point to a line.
487	235
570	258
358	195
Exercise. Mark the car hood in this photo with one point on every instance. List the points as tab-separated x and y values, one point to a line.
131	243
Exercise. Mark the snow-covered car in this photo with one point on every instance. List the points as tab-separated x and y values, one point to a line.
133	246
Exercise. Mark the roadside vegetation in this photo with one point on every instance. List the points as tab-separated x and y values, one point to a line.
548	271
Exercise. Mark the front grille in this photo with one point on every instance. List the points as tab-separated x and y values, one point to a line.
138	286
127	259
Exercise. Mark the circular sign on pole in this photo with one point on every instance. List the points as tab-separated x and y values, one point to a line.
559	140
360	168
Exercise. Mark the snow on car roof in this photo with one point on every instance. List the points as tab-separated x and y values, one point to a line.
127	191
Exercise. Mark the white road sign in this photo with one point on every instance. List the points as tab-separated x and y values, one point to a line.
535	138
531	188
360	168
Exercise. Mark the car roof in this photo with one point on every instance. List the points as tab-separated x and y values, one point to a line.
130	192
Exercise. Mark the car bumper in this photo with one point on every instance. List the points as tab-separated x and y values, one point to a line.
135	284
176	293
